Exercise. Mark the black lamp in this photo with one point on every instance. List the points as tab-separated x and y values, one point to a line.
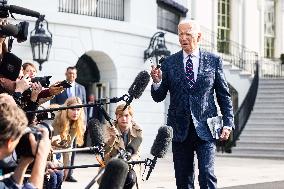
157	47
40	41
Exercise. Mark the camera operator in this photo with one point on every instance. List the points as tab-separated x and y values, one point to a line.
46	94
13	122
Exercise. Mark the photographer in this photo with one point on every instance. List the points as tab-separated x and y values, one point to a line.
50	91
13	122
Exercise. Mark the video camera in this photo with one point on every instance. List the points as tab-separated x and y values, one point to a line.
24	146
44	81
19	31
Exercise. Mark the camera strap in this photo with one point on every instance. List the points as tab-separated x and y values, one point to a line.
10	44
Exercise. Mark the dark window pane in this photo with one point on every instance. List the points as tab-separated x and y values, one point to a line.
167	20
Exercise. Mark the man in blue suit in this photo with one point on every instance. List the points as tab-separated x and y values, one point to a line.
192	76
76	90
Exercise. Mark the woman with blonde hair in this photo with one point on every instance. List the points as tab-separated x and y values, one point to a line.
69	125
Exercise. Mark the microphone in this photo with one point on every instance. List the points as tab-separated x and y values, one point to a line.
133	147
23	11
18	31
96	132
138	86
115	174
160	146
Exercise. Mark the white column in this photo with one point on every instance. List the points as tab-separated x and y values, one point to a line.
261	27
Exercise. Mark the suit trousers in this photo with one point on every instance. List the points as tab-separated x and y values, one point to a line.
183	157
70	172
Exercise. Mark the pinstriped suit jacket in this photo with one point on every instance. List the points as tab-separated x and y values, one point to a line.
198	101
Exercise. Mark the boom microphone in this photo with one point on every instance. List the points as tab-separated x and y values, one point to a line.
23	11
115	174
138	86
18	31
160	146
96	132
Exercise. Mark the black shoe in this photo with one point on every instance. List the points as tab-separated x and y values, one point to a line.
70	179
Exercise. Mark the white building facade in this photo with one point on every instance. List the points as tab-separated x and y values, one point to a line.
116	46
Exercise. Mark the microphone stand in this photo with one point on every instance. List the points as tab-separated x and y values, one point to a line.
97	103
96	149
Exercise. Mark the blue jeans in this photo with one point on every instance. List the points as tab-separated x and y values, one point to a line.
56	179
183	157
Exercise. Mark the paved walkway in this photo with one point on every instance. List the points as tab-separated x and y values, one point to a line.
232	173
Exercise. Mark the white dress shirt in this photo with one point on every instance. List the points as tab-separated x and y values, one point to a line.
195	56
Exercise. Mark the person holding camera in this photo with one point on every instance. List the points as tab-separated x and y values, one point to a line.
46	94
69	125
13	123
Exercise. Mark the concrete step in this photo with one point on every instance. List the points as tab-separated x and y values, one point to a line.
271	117
270	95
270	99
259	144
260	150
257	156
259	138
269	81
268	102
261	126
270	107
268	114
264	122
270	91
264	130
268	110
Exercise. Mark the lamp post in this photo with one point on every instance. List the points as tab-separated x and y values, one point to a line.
157	47
40	41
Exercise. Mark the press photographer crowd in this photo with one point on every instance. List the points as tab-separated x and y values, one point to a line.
38	146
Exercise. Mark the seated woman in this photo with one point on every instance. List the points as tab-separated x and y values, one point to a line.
69	125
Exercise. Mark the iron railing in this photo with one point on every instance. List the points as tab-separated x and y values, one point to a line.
110	9
229	51
271	68
242	115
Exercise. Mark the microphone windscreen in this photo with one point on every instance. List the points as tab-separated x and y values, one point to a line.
9	30
96	132
115	174
134	145
162	141
139	85
23	11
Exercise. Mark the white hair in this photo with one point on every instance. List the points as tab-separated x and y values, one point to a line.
194	24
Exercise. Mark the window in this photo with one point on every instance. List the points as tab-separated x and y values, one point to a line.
223	26
169	13
167	20
269	28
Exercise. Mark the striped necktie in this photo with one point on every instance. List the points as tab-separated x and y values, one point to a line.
189	72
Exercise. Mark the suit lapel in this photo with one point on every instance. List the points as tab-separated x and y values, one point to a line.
65	95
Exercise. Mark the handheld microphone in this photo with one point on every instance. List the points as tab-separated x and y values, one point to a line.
160	146
23	11
138	86
160	63
133	147
115	174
